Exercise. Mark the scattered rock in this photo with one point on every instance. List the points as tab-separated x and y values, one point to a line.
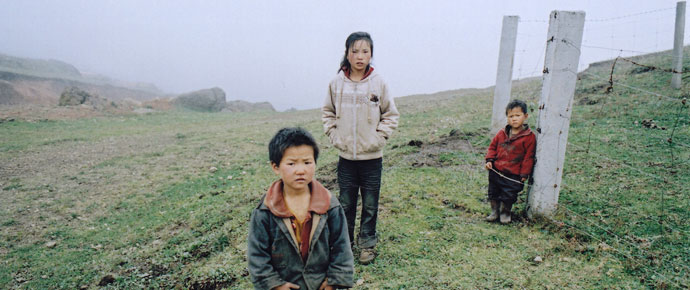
649	123
97	247
156	243
360	282
51	244
208	100
604	247
107	279
73	96
213	169
229	177
416	143
538	259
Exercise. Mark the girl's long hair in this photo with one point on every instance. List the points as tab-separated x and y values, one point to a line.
360	35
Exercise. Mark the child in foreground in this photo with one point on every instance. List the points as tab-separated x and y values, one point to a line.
298	235
511	154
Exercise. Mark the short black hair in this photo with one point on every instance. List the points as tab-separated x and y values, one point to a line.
516	103
290	137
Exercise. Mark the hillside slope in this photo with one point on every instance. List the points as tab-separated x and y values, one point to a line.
36	81
132	202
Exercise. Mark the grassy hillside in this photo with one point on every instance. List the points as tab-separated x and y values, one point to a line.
133	198
38	67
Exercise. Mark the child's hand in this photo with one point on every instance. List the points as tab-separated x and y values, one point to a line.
488	166
286	286
325	286
523	179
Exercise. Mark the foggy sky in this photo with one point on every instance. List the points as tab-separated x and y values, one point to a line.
286	52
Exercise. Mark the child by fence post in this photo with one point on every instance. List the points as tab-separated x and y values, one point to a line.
510	158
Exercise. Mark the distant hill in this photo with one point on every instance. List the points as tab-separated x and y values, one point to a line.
39	67
25	81
38	81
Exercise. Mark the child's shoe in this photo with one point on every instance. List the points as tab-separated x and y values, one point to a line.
505	213
366	256
495	206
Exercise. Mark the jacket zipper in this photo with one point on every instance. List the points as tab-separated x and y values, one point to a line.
354	124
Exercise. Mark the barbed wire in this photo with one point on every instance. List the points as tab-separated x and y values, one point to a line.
630	247
623	163
632	87
626	240
669	70
629	15
596	27
615	49
533	21
623	253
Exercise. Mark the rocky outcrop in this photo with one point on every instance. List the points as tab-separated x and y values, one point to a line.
207	100
74	96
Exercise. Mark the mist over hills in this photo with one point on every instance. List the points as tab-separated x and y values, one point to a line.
38	81
41	82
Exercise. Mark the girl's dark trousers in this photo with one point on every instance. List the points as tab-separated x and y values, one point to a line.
361	176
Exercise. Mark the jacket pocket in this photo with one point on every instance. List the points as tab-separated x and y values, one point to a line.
336	140
280	252
373	144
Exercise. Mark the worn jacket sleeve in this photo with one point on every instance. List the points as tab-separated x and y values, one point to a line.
259	254
341	267
492	151
328	114
389	114
528	162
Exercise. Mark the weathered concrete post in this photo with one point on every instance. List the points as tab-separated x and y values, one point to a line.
555	106
678	45
504	74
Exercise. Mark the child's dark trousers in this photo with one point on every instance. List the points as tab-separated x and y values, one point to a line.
503	189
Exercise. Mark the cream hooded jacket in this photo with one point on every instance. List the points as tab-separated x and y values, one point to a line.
359	116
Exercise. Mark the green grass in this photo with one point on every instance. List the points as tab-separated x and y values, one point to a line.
133	197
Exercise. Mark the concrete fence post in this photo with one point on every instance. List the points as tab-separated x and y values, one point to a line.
504	74
555	107
678	45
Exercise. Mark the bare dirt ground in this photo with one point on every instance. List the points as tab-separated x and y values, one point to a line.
74	182
34	112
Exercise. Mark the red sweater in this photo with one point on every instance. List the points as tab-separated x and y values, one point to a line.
514	155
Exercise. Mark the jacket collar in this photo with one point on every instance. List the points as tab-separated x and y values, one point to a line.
524	132
346	72
320	199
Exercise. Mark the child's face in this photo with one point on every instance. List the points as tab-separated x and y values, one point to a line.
297	167
516	118
359	55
